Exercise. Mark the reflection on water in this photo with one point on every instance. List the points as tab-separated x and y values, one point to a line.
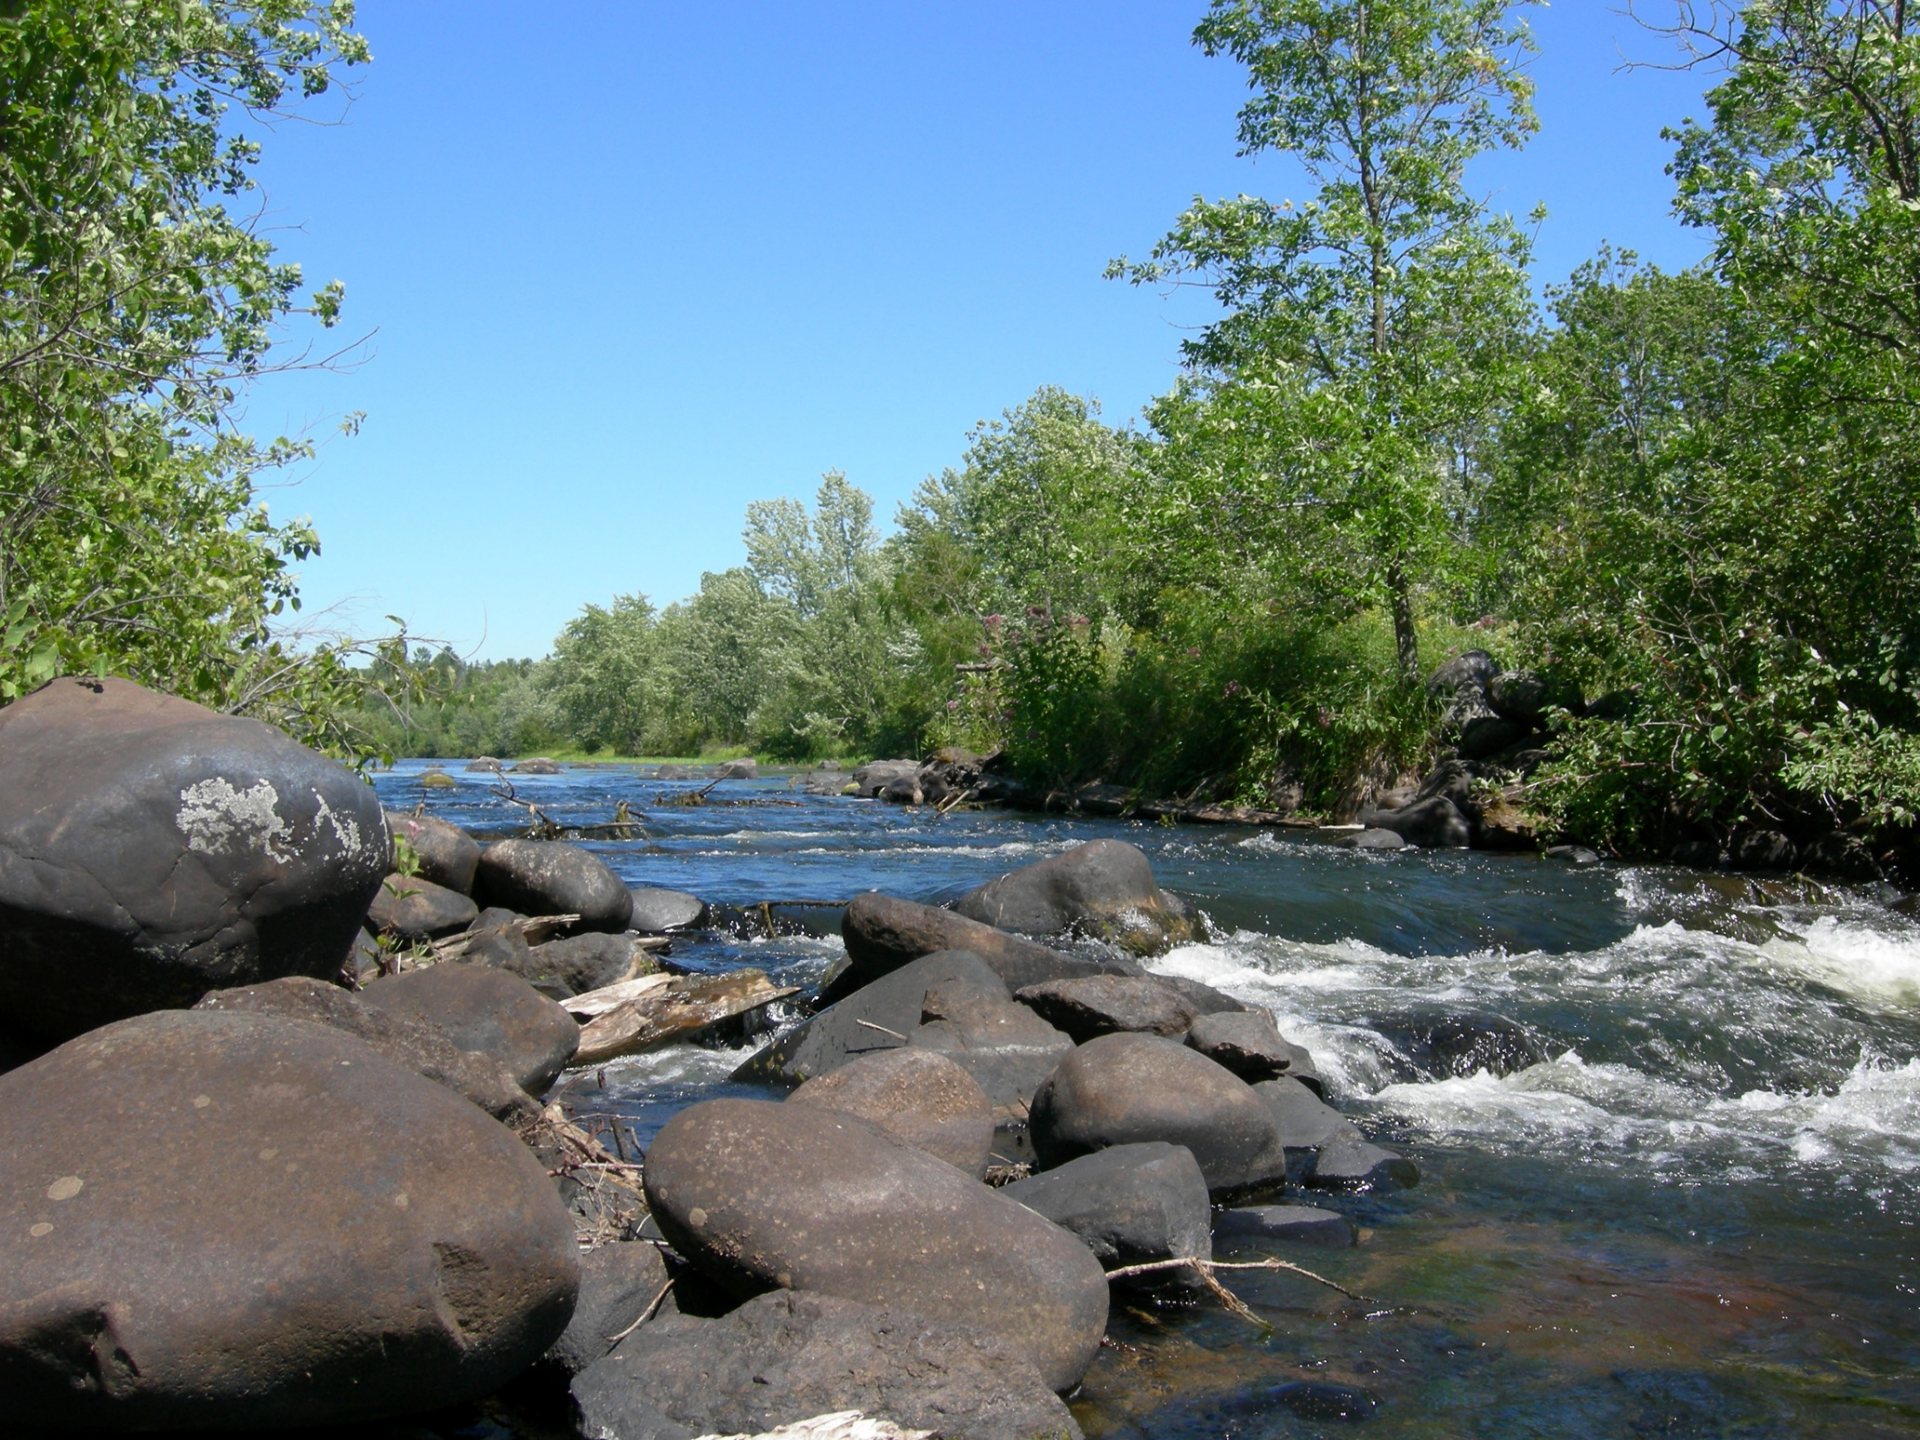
1695	1217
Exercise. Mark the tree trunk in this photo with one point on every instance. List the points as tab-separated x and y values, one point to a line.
1406	644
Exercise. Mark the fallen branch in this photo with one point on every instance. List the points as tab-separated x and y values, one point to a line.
1205	1268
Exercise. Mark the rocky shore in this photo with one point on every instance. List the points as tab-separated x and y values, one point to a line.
278	1154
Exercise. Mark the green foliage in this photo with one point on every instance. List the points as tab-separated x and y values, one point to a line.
136	307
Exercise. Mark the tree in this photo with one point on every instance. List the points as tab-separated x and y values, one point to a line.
138	302
1369	327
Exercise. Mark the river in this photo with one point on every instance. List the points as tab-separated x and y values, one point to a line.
1696	1217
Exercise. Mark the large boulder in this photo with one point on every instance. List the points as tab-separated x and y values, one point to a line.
883	933
873	777
445	854
657	911
1124	1089
619	1281
1091	1005
916	1095
412	910
784	1358
1132	1204
575	964
1102	890
551	877
480	1008
152	850
403	1039
1435	823
1007	1048
759	1194
249	1223
1249	1043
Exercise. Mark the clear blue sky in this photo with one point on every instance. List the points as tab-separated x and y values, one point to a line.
633	266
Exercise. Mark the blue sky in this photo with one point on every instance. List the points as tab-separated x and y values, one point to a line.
633	266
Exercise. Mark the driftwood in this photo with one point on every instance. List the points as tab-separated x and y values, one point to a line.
608	1203
658	1014
841	1425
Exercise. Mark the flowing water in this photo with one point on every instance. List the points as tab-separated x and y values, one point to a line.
1696	1216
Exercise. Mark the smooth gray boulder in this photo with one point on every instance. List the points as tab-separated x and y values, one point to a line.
658	912
1102	890
551	877
1257	1227
1372	840
248	1223
618	1281
152	850
883	933
1435	823
413	910
1304	1120
1249	1043
759	1194
1124	1089
493	1012
1007	1048
1090	1005
916	1095
737	770
1132	1204
575	964
445	853
787	1357
1348	1162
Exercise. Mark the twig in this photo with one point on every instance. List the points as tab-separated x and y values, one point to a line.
645	1315
1205	1269
874	1025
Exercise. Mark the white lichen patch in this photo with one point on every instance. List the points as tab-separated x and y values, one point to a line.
354	845
217	819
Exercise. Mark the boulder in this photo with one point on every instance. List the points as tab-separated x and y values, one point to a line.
903	790
488	1010
495	939
152	850
1304	1120
1435	823
618	1282
1258	1226
538	765
784	1358
737	770
1458	1043
916	1095
656	912
482	764
1526	696
1578	856
883	933
551	877
1132	1204
1763	850
445	853
873	777
1102	890
1091	1005
1123	1089
243	1222
1007	1048
364	959
1249	1043
673	772
437	779
759	1194
413	910
1348	1162
1372	840
1472	670
422	1048
575	964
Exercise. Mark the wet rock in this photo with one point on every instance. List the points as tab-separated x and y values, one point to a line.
1258	1225
1007	1048
575	964
497	940
1763	850
737	770
1091	1005
903	791
1125	1089
1372	840
1434	823
404	1039
484	763
1204	999
1579	856
883	933
413	910
1459	1043
1304	1120
1102	890
759	1194
151	850
618	1281
538	765
550	877
876	1017
784	1358
249	1223
656	911
1132	1204
673	772
916	1095
488	1010
436	779
1347	1162
445	853
873	777
1249	1043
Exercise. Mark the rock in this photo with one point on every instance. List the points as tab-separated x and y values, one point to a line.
1372	840
758	1194
916	1095
1204	999
1435	823
1249	1043
737	770
673	772
248	1223
1459	1043
1304	1120
1503	822
1091	1005
404	1039
413	910
875	1017
538	765
151	850
1257	1225
437	780
905	790
656	912
479	1008
1347	1162
1123	1089
484	763
883	933
1576	855
618	1281
445	854
1526	696
364	958
498	941
1132	1204
1007	1048
784	1358
1102	890
1763	850
550	877
873	777
574	964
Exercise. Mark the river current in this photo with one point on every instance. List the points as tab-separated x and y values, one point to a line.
1696	1216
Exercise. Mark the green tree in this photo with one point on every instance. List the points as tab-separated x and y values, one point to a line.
603	679
1370	326
139	300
